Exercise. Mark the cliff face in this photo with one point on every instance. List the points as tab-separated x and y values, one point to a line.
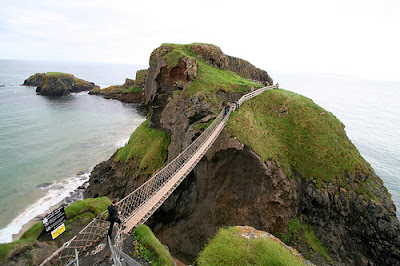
356	230
58	83
230	186
238	183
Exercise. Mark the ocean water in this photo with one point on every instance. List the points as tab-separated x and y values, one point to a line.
370	111
49	145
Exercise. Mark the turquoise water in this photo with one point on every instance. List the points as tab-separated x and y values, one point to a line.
48	145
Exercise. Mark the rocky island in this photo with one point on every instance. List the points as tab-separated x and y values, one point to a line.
57	83
282	165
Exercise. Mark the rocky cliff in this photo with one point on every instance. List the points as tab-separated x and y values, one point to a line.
281	159
55	83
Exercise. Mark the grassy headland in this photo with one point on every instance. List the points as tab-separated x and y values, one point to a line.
209	80
291	129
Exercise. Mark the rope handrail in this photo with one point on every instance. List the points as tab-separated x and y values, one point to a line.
135	200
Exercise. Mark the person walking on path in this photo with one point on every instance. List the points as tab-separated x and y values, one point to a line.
227	108
113	216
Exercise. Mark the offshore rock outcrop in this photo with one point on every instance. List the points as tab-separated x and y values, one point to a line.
58	84
232	185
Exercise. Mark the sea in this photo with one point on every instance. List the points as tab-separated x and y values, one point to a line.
49	145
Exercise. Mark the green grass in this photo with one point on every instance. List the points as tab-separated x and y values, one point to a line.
298	230
302	139
132	89
203	126
26	240
6	249
229	248
174	56
109	90
140	76
33	232
59	74
93	205
315	243
85	209
148	146
159	253
209	80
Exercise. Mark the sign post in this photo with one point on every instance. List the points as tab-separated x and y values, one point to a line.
54	222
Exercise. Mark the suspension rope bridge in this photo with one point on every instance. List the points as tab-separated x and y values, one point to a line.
140	204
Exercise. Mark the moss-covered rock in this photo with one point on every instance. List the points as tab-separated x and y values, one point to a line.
56	83
34	80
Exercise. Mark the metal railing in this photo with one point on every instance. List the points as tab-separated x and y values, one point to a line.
133	202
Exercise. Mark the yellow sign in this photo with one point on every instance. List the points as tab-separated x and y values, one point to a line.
58	231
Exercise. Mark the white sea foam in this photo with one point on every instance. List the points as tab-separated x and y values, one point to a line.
82	93
56	194
122	142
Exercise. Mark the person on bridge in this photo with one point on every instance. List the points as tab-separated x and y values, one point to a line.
113	216
227	108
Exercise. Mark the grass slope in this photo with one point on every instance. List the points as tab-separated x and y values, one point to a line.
148	146
291	129
229	248
209	80
159	254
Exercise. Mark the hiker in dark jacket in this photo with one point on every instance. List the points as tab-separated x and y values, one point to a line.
113	215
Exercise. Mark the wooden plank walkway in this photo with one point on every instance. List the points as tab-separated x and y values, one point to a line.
148	206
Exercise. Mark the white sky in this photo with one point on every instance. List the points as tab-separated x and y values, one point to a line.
344	37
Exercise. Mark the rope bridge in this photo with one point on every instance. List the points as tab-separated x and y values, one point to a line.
140	204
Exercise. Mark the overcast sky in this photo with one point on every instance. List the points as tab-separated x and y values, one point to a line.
350	37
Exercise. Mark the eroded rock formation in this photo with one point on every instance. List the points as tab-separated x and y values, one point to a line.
58	84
